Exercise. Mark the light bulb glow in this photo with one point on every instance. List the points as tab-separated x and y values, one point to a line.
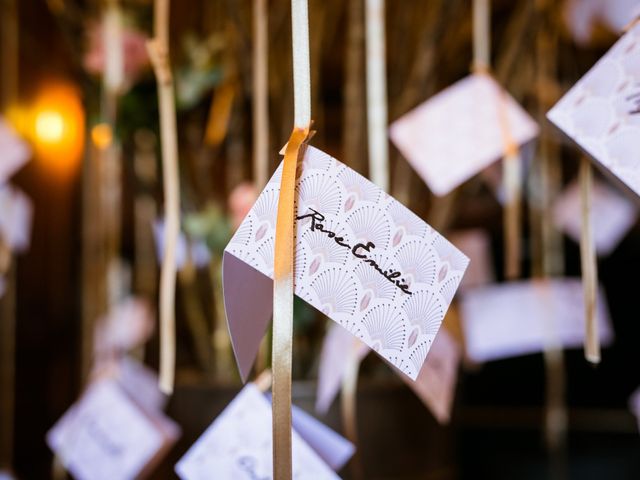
49	126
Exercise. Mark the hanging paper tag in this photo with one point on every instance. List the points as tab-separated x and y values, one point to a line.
601	113
436	383
518	318
14	152
612	215
362	258
460	131
476	244
196	251
338	344
16	213
106	435
238	445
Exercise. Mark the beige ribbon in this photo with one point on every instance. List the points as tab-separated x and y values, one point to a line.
158	49
589	265
511	163
283	307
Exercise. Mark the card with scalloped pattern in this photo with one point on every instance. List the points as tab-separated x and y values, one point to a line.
601	112
14	152
458	132
237	445
361	258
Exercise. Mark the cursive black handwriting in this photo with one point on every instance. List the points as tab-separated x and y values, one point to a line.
635	100
359	250
248	464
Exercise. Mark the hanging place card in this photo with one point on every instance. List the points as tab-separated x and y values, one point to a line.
435	385
612	215
16	214
601	112
237	445
361	258
14	152
459	132
106	435
520	318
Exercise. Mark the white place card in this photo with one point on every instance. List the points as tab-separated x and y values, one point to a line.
519	318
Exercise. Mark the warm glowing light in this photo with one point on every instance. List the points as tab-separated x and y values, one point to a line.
102	135
49	126
57	129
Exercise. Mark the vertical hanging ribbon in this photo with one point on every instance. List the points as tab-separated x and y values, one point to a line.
260	107
260	94
511	160
589	265
158	49
377	94
284	245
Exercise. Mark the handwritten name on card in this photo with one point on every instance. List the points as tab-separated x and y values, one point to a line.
597	113
362	258
459	132
107	436
237	445
520	318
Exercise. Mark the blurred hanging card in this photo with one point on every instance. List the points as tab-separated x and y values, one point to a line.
519	318
14	152
612	215
476	244
105	435
237	445
16	212
436	383
197	250
601	113
335	348
362	258
458	132
141	384
582	16
128	325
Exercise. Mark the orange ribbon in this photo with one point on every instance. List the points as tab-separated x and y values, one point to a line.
283	290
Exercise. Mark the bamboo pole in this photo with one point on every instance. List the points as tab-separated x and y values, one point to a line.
377	94
158	49
589	265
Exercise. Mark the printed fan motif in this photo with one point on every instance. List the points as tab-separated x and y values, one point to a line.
597	113
360	295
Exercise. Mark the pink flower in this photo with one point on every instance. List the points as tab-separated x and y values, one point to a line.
136	59
241	200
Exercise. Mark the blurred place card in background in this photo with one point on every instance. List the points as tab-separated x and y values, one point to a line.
16	214
519	318
436	383
459	132
362	259
612	215
634	405
107	436
582	16
14	152
601	112
237	445
196	251
337	345
476	244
